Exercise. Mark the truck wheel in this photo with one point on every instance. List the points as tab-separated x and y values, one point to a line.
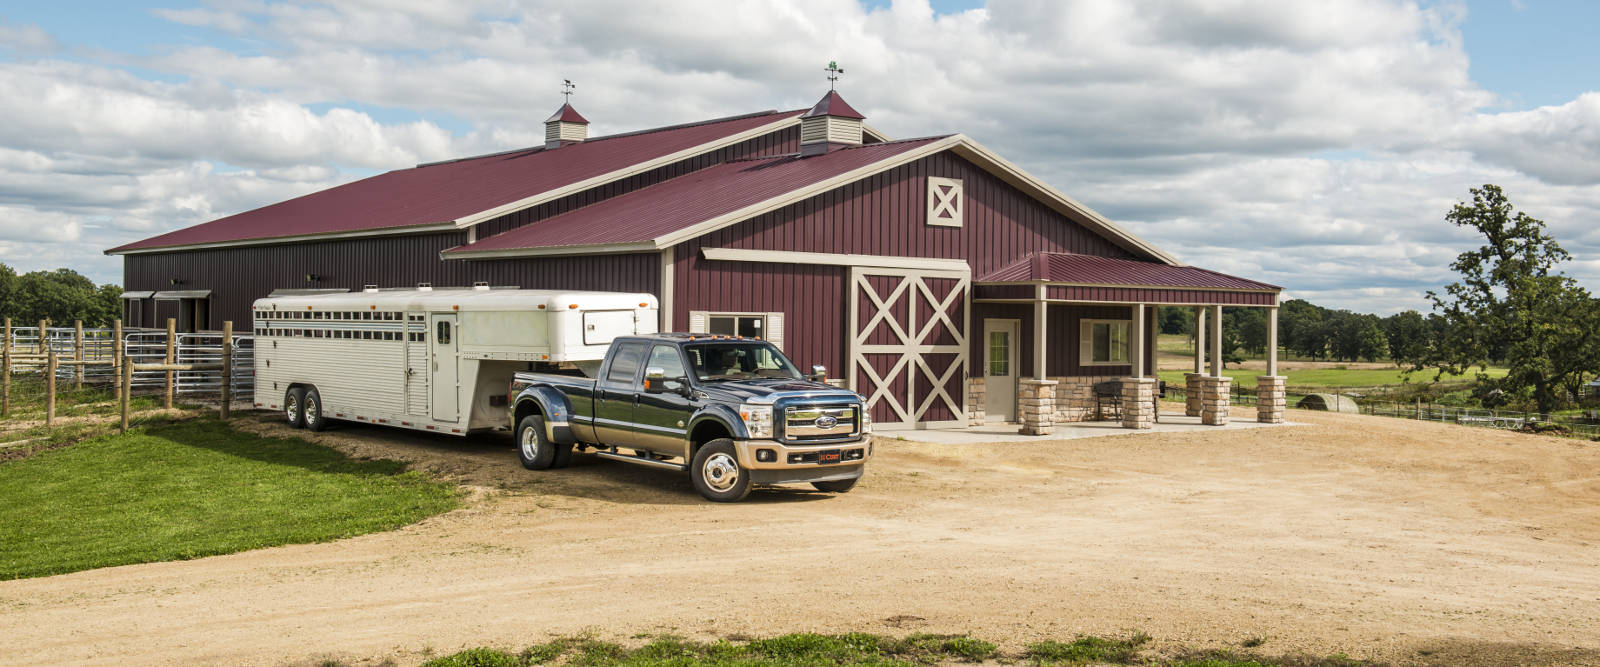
533	449
294	407
836	486
716	473
312	411
563	456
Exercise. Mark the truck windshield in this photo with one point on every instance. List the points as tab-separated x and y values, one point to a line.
738	360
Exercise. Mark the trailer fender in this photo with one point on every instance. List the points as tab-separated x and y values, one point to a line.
553	405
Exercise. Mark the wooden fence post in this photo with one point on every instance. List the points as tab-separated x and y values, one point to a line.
227	368
126	382
116	357
50	393
77	355
5	374
43	338
172	340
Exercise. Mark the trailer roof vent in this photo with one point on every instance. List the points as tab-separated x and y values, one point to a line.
480	285
369	288
425	287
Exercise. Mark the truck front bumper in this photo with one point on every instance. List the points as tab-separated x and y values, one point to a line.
773	462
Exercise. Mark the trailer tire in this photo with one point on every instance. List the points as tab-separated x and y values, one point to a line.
311	411
534	450
716	473
836	486
294	406
563	457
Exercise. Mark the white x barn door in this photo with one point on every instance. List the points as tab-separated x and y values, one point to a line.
908	345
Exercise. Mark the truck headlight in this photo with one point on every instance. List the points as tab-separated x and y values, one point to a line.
757	420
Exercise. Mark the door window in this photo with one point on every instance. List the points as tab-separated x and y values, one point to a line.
442	333
625	364
999	353
666	358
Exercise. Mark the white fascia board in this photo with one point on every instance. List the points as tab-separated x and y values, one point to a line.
552	251
1011	173
868	129
835	259
630	170
386	231
793	196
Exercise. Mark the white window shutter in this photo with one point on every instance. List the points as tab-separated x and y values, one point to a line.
698	321
1085	342
775	329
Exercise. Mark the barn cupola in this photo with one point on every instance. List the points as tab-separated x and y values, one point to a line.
829	125
565	127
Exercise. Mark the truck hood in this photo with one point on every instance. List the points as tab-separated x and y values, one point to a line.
769	391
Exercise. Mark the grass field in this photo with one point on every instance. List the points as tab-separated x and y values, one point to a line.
191	489
868	649
1308	374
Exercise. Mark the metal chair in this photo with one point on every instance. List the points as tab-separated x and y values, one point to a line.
1108	394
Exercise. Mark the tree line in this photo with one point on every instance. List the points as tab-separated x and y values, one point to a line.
61	296
1306	330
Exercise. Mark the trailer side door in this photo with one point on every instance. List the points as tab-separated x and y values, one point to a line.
445	383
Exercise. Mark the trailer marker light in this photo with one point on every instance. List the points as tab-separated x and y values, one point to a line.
541	306
455	308
571	306
644	305
405	423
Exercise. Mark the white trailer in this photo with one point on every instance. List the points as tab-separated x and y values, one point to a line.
428	359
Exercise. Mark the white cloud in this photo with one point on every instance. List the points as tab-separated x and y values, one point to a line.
1316	145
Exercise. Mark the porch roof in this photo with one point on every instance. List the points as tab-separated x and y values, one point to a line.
1092	270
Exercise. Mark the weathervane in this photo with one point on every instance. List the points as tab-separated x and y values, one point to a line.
833	73
567	87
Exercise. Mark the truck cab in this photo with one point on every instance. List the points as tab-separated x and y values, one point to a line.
732	412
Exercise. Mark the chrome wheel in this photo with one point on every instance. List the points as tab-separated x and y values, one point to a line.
720	472
313	412
529	442
291	408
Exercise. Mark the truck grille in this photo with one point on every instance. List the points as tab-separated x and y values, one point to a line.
801	423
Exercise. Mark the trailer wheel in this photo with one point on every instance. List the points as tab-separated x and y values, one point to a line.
312	410
836	486
533	448
563	457
294	407
716	473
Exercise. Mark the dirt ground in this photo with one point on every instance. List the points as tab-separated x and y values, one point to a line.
1402	541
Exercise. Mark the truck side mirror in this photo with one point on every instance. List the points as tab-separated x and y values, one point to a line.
655	380
819	373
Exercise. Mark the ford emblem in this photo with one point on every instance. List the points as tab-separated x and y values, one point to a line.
827	421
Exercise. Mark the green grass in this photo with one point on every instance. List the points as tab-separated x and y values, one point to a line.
28	394
191	489
858	648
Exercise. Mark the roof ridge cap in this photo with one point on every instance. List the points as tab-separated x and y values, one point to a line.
634	133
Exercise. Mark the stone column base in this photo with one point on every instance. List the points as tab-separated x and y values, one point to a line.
1215	401
1138	402
1036	402
977	401
1193	386
1270	399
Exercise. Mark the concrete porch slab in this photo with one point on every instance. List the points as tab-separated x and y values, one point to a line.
1170	423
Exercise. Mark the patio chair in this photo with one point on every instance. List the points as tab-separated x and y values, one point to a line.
1108	394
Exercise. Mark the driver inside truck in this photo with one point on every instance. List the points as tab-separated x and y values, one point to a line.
728	362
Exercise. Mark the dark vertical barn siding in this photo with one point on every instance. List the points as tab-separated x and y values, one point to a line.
239	276
775	143
884	214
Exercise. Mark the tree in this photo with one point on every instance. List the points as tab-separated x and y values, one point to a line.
1177	321
61	296
1409	336
1252	326
1511	301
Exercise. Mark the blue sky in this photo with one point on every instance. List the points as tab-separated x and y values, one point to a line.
1313	145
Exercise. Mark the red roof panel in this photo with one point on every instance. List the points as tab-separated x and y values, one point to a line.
568	114
444	191
1057	267
833	105
670	206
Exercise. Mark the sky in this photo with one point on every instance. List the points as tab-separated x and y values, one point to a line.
1316	145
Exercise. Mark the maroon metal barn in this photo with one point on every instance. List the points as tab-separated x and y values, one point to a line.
942	282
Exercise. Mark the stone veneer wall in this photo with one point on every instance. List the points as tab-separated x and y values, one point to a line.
1075	397
1270	399
1193	390
1036	400
1217	397
1138	402
976	401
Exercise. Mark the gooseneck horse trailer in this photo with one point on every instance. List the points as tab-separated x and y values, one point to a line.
428	359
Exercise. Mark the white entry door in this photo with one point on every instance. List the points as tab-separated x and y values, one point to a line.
445	381
1000	370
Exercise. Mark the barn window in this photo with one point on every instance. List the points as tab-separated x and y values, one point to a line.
944	201
1105	342
766	326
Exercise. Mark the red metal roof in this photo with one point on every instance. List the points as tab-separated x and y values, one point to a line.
1058	267
442	192
568	114
661	209
833	105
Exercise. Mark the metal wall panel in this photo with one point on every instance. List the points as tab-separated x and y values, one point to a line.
239	276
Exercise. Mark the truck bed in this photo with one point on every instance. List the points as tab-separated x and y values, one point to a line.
579	391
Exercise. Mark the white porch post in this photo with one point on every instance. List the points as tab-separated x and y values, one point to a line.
1272	341
1200	339
1039	316
1138	341
1138	390
1155	341
1036	396
1216	341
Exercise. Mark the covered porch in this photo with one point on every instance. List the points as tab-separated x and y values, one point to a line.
1072	338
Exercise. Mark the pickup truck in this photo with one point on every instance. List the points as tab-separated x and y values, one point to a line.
732	412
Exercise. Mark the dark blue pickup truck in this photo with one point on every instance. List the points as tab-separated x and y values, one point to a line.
732	412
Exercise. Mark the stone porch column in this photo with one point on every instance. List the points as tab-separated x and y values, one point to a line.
1193	388
1138	402
977	403
1036	400
1270	399
1214	411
